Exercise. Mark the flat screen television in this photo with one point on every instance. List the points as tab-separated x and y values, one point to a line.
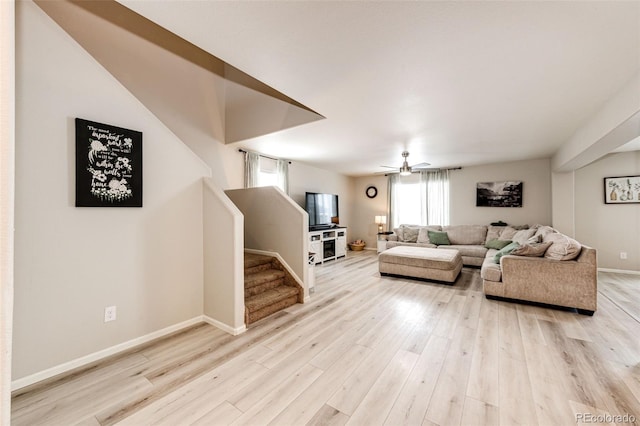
322	210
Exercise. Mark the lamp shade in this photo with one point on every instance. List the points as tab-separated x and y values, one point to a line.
381	220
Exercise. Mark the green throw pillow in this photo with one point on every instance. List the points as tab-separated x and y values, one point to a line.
438	238
505	250
497	244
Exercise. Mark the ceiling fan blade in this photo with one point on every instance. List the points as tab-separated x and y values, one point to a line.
390	167
420	166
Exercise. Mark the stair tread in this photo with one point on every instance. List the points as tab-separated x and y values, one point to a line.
252	260
262	277
270	297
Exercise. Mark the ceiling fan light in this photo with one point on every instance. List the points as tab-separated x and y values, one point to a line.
405	171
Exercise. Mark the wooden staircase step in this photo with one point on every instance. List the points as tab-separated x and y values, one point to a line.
270	301
262	281
252	260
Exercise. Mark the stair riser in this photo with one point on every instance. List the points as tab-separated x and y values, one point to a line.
268	310
258	268
261	288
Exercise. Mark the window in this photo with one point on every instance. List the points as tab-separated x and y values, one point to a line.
265	171
419	199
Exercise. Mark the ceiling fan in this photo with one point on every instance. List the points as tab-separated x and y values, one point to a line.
406	169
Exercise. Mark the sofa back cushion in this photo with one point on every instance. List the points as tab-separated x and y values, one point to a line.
466	234
411	232
523	235
562	247
423	235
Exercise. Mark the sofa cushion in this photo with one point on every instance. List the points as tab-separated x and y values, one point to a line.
544	230
423	235
523	235
532	249
439	238
469	251
507	233
505	251
410	233
493	232
562	247
497	244
466	234
490	270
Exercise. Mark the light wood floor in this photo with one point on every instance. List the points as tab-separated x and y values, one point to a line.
368	350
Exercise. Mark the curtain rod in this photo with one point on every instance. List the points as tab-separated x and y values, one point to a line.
450	168
265	156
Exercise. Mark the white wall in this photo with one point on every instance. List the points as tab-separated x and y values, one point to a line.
304	178
73	262
223	238
7	191
363	219
610	228
536	178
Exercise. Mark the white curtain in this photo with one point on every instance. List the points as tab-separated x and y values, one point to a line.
392	201
435	185
265	171
283	175
251	169
418	200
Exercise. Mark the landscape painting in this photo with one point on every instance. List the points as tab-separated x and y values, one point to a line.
499	194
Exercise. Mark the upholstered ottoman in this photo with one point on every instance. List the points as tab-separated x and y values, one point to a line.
421	262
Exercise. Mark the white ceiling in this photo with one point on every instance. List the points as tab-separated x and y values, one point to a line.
455	83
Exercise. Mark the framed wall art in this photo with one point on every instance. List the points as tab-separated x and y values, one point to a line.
108	165
499	194
622	190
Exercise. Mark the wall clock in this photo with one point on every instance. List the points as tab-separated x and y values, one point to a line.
371	192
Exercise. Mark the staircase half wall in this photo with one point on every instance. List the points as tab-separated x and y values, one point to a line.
223	260
273	222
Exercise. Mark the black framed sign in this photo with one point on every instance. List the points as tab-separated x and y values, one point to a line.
108	165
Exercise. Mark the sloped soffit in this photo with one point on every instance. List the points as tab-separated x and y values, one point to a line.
183	85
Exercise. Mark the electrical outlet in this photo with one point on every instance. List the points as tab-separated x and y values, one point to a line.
109	313
623	255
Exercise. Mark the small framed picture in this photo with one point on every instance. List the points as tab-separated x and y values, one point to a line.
622	190
108	165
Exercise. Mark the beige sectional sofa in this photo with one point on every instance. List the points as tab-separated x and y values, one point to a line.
546	266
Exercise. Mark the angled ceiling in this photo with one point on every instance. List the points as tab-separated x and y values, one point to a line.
454	83
185	86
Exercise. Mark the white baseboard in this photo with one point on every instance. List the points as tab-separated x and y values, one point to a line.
619	271
96	356
224	327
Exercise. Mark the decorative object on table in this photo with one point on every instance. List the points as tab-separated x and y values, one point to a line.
499	194
499	223
622	190
357	245
371	191
108	165
381	221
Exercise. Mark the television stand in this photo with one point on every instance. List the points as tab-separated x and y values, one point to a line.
328	244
